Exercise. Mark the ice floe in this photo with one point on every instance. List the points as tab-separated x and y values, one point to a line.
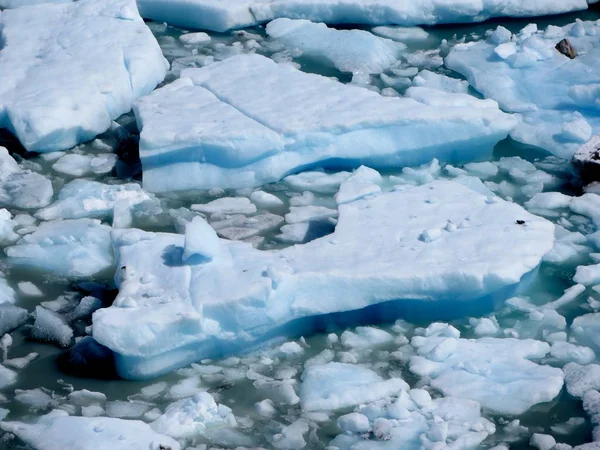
172	311
66	86
274	120
556	96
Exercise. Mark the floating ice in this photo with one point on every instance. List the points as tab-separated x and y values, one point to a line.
79	165
497	373
402	34
66	86
22	188
346	50
191	417
222	16
557	96
175	312
70	248
274	120
58	430
91	199
7	293
336	385
51	327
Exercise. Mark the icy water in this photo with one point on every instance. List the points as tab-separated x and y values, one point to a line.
241	381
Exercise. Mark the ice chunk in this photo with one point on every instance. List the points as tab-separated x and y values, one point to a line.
91	199
433	80
70	248
319	182
79	165
195	309
21	188
586	330
86	398
29	289
84	80
191	417
292	436
336	385
402	34
11	316
227	205
275	120
201	240
220	16
346	50
265	200
556	96
497	373
563	351
7	225
58	430
581	379
194	38
50	327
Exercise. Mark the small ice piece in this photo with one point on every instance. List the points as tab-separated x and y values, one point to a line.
485	326
226	205
483	170
265	200
542	441
191	417
117	48
20	188
456	366
29	289
59	430
11	316
440	82
549	200
35	399
364	181
401	34
317	182
79	165
70	248
201	240
347	50
126	410
566	352
292	436
91	199
365	337
500	35
7	226
92	411
86	398
265	408
587	275
85	308
309	213
580	379
431	235
291	349
21	363
51	327
586	330
336	385
354	423
195	38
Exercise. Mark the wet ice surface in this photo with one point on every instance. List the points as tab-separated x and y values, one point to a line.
282	394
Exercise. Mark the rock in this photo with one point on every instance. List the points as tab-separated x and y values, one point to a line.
566	48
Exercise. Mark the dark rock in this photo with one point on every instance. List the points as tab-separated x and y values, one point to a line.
566	49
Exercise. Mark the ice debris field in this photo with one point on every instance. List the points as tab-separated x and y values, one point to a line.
294	224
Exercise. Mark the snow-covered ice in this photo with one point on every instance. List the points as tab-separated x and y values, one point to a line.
346	50
58	430
274	120
84	64
221	16
21	188
497	373
557	96
70	248
91	199
171	311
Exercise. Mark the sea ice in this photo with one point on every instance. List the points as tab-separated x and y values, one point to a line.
91	199
57	430
22	188
497	373
70	248
346	50
556	96
170	312
274	120
66	85
222	16
50	327
79	165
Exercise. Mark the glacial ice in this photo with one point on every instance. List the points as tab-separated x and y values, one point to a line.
90	199
221	16
84	64
497	373
79	165
556	96
170	311
59	430
21	188
69	248
274	120
346	50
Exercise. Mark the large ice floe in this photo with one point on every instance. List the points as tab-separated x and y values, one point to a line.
187	297
69	69
59	430
558	97
247	121
221	15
